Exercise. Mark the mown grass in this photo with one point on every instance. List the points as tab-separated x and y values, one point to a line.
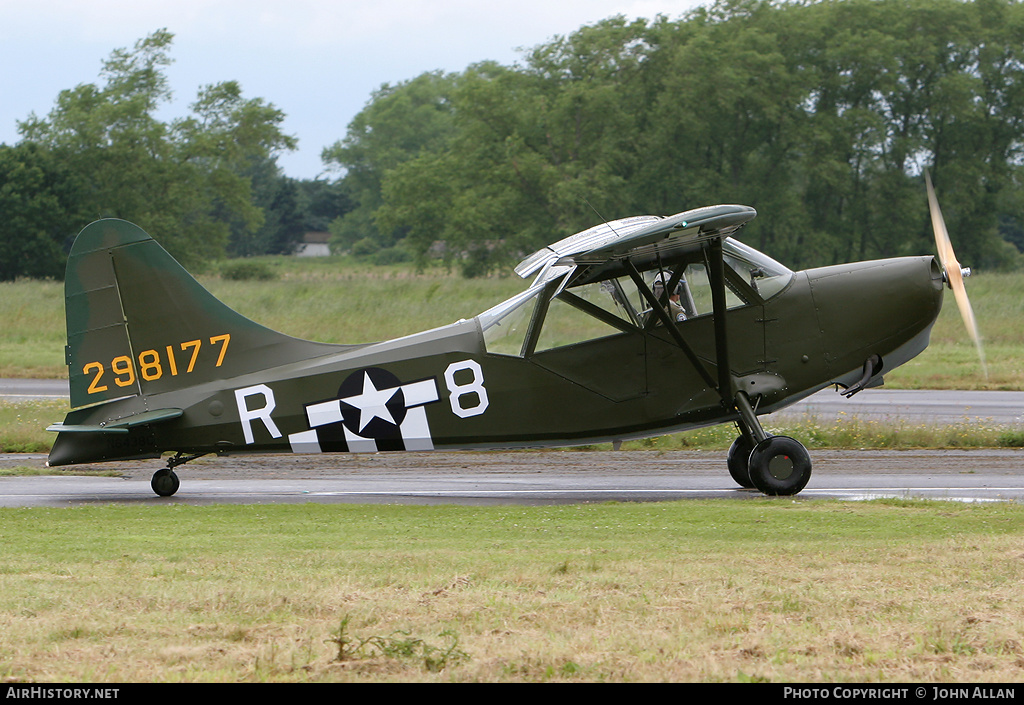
765	590
32	333
339	301
847	433
23	424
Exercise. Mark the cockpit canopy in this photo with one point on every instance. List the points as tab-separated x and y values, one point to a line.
584	287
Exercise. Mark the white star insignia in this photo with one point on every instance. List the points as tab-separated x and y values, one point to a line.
372	403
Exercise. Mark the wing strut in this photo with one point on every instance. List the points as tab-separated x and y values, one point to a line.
715	260
733	401
669	324
738	401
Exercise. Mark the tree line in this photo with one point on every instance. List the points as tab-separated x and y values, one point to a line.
823	115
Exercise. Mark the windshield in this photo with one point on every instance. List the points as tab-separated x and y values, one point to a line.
505	325
766	276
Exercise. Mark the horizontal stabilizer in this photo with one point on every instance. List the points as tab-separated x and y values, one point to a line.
121	425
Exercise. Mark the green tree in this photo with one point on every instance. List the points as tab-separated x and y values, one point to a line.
284	226
321	202
536	151
39	202
822	115
183	182
727	120
399	123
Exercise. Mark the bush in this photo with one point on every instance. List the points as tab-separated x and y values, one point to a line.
1011	439
364	247
390	255
247	270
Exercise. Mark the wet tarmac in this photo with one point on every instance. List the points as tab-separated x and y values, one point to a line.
524	477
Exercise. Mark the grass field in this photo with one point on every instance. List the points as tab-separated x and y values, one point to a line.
763	590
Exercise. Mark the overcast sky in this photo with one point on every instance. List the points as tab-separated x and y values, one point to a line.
317	60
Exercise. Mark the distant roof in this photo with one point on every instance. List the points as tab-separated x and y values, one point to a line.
316	237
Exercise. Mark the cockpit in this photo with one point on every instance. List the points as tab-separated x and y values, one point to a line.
569	303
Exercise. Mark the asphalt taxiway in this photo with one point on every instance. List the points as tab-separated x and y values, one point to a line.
525	477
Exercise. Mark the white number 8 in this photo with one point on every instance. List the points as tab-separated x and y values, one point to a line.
474	387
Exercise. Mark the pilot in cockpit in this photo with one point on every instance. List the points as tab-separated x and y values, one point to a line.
674	308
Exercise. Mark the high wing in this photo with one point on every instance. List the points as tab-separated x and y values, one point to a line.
600	252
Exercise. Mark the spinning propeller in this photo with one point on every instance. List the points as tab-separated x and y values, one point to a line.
954	274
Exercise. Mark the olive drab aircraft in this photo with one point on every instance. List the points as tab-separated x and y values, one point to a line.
634	328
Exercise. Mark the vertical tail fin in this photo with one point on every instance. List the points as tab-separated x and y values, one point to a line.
138	323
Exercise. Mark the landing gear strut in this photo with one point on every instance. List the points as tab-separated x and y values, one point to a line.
775	465
165	481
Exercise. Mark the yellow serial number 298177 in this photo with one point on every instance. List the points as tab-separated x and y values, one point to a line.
151	364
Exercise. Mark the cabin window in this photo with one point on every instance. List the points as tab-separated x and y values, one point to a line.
541	319
699	285
506	325
586	313
572	316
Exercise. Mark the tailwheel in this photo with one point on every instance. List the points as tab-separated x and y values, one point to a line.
779	465
165	482
738	461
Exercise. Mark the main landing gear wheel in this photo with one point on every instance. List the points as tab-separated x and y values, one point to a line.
779	465
737	460
165	482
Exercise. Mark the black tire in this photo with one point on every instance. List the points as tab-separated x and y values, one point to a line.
738	461
165	482
779	465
